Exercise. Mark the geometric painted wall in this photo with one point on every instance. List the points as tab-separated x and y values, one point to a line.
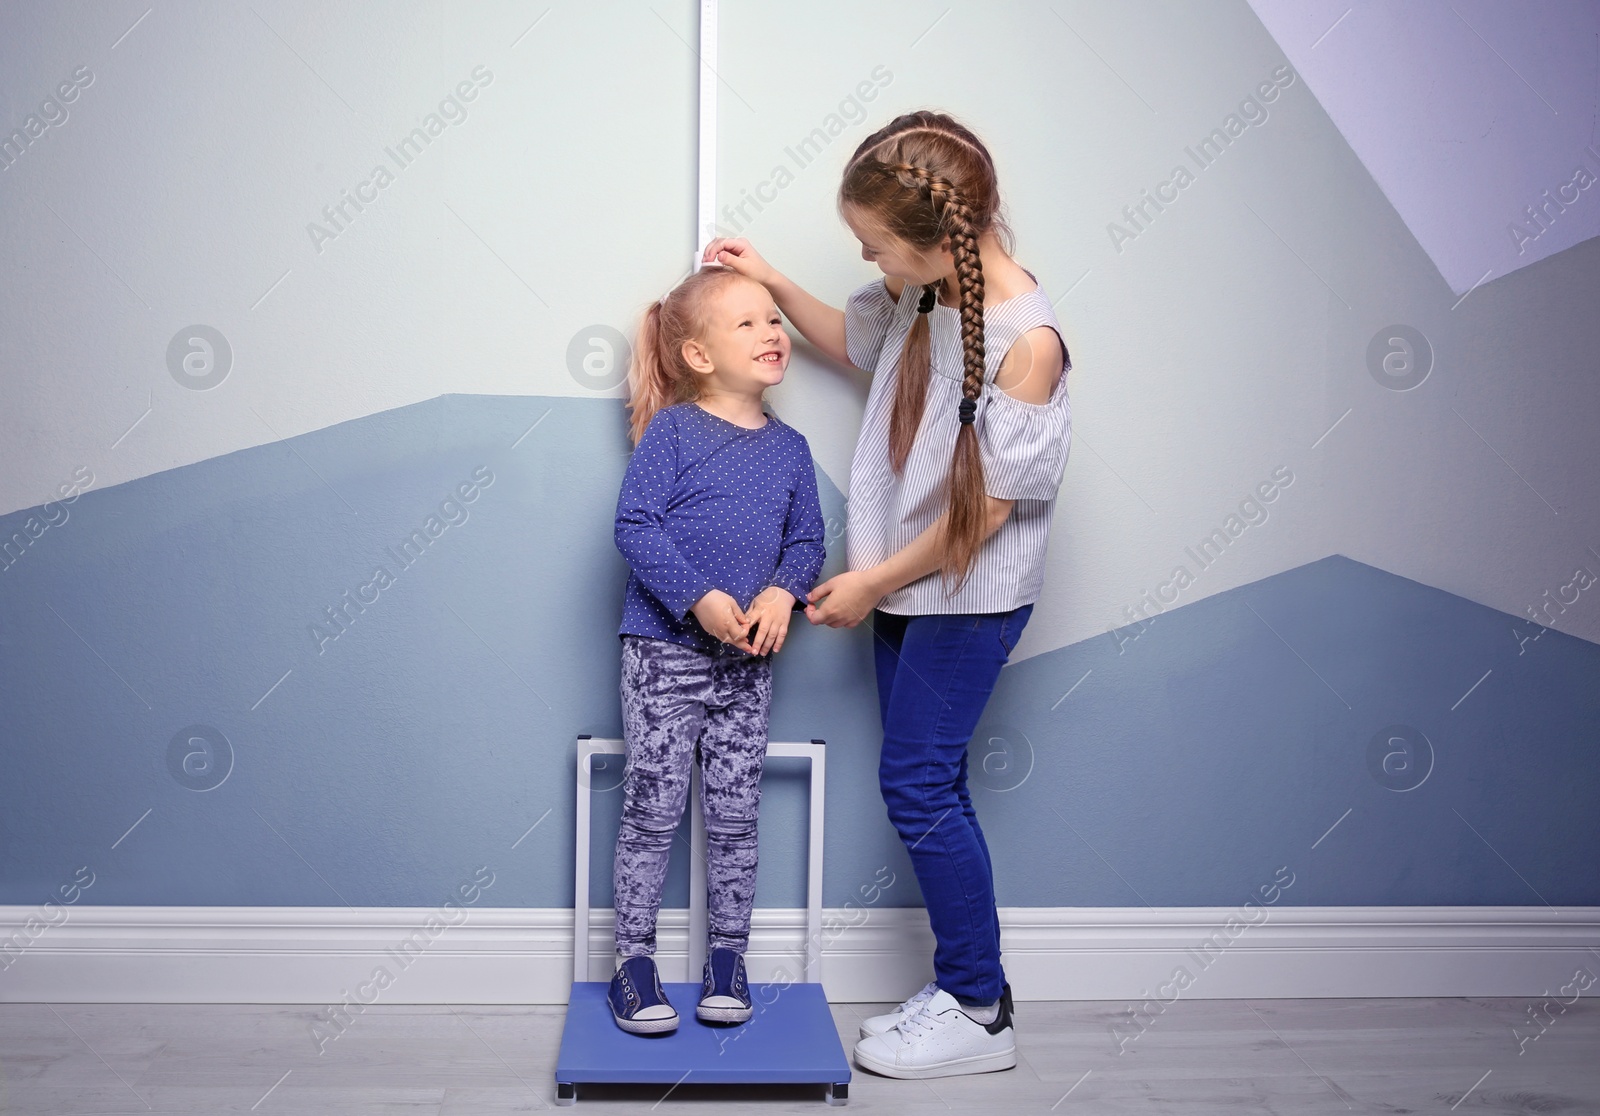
239	368
208	657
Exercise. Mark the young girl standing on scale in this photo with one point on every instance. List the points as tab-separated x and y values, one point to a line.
719	521
952	490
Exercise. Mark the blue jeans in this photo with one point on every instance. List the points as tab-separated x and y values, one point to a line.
935	675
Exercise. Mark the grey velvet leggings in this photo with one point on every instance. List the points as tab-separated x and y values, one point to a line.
674	697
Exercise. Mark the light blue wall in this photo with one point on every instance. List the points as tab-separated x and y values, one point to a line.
1247	327
1186	766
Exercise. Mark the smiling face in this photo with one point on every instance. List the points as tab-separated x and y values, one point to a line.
743	349
894	257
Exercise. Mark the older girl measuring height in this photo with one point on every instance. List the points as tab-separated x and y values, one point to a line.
952	491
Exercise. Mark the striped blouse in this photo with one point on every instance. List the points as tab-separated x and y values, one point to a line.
1023	447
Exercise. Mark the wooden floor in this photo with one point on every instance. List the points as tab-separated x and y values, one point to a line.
1198	1057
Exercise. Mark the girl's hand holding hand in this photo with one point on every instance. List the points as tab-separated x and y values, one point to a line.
722	618
771	611
843	601
736	252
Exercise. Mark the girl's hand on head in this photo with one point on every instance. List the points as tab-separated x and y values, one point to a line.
843	601
736	253
722	618
771	610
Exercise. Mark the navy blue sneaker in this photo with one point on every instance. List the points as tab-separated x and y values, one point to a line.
724	990
638	1002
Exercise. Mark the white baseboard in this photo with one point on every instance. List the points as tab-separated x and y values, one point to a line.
314	955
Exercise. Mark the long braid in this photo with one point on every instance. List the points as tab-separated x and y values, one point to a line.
957	216
925	180
964	530
916	356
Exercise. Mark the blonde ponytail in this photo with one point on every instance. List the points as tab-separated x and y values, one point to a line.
658	376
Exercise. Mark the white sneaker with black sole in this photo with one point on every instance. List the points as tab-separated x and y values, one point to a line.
878	1024
941	1040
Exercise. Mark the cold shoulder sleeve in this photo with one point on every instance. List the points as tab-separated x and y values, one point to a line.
867	315
1024	445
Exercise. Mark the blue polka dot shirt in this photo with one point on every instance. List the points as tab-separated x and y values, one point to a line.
707	504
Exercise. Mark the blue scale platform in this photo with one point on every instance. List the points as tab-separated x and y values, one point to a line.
790	1040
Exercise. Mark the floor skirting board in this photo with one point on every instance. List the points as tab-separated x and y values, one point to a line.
396	955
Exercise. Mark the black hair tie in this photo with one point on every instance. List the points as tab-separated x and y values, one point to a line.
968	409
929	297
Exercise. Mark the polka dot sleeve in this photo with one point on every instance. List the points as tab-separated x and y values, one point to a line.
641	535
803	547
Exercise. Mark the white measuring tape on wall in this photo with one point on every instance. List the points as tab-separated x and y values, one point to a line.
706	223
